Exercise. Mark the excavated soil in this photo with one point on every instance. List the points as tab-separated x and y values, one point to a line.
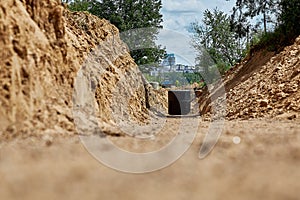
266	85
53	60
58	69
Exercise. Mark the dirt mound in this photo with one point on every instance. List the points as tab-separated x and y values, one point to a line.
265	85
43	48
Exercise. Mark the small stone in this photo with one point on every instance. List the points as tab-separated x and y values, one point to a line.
253	92
48	140
263	103
281	85
277	69
291	117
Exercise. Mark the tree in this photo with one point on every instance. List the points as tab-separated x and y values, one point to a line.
139	20
289	18
77	5
285	14
246	9
215	42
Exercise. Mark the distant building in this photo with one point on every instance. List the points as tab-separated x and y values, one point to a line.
169	65
185	68
170	60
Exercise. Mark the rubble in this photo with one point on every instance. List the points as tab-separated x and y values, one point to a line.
263	86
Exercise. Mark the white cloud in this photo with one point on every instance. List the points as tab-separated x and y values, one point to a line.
179	44
178	15
182	6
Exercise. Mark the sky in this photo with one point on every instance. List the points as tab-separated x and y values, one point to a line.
177	17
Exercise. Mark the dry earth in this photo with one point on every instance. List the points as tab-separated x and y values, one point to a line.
264	85
265	165
44	46
48	55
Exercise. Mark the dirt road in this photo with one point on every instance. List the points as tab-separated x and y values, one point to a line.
264	165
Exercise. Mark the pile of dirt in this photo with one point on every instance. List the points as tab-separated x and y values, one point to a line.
264	85
44	48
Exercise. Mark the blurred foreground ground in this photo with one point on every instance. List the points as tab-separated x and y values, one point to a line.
265	165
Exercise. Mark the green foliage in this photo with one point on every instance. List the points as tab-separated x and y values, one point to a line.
150	78
249	9
129	16
289	19
176	78
223	67
193	77
270	41
286	16
216	43
79	5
